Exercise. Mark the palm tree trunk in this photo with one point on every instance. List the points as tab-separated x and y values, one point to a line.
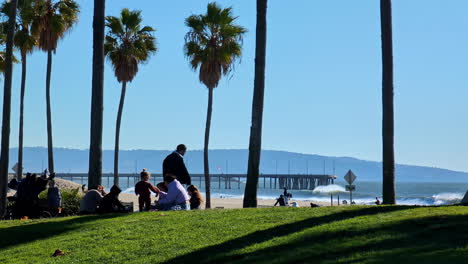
5	143
205	149
50	145
20	136
97	100
388	188
255	145
117	134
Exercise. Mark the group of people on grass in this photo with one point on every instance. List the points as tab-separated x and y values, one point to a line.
27	193
171	193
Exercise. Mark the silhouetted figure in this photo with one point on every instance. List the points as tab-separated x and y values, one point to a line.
110	203
377	201
174	164
280	201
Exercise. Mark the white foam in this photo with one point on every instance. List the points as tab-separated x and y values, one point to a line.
129	190
333	188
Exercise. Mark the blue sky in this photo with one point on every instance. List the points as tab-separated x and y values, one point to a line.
323	83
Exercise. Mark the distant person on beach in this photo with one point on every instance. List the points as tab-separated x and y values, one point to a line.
90	202
280	201
174	164
175	197
377	201
110	203
143	189
286	196
196	198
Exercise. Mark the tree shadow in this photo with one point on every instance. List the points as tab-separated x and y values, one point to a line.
25	233
217	253
431	239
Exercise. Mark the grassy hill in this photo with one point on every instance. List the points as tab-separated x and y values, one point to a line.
391	234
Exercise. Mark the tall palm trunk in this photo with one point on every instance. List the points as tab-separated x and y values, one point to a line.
117	134
20	136
388	188
97	101
255	146
5	145
205	149
50	145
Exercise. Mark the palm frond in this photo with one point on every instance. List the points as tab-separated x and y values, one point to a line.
213	43
52	20
128	44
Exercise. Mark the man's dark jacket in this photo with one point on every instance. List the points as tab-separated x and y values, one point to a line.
174	164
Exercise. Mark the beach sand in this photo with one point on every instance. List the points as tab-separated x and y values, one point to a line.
225	203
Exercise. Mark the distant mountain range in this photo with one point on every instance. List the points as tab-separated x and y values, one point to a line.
234	161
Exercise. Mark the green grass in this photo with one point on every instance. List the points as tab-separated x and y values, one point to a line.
390	234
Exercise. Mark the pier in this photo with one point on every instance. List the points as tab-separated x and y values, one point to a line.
221	181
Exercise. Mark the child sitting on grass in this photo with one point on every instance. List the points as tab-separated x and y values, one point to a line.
144	188
196	198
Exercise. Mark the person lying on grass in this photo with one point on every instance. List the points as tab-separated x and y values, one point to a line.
176	198
143	189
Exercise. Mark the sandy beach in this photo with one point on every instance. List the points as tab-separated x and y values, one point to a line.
224	203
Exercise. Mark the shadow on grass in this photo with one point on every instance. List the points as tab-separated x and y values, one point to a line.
423	240
218	253
16	235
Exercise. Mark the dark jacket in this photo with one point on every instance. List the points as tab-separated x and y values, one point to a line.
54	197
110	202
174	164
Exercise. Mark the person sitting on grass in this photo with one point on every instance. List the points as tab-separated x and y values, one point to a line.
143	189
176	198
196	198
110	203
90	202
280	201
162	187
54	197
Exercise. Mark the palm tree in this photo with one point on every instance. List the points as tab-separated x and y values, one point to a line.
5	142
52	20
255	146
212	45
97	101
127	45
25	43
388	188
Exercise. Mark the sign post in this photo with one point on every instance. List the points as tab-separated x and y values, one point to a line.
350	177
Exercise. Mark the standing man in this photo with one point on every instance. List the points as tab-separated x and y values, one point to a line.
174	164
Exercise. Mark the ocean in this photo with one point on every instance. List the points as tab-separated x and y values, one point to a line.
408	193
